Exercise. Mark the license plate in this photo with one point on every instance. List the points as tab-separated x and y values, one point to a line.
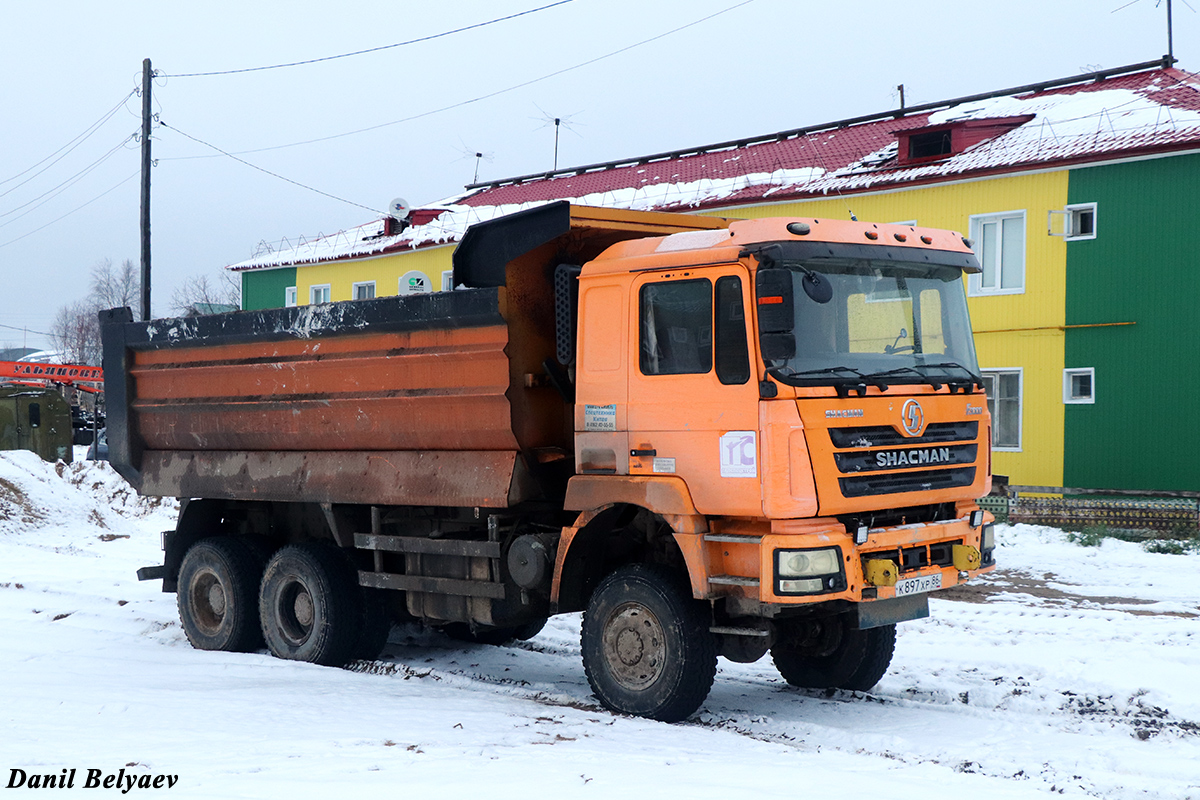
925	583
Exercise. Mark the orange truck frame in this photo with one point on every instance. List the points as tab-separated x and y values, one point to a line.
711	436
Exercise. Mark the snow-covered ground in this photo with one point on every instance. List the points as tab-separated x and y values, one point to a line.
1070	671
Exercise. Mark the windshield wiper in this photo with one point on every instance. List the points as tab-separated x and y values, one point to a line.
855	381
974	379
910	370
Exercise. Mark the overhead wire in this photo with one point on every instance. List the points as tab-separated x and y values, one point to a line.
267	171
487	96
368	50
72	211
53	192
74	143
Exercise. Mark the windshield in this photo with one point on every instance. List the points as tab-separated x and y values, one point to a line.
886	322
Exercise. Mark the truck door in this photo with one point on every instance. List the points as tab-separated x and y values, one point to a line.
693	402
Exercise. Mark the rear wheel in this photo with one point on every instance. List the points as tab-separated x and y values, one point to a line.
309	605
647	649
829	654
217	595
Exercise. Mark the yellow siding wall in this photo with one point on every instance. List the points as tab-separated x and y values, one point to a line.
1019	330
384	270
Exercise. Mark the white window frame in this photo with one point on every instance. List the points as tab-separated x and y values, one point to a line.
975	287
290	297
995	372
1070	215
324	288
354	287
447	280
1072	221
1069	397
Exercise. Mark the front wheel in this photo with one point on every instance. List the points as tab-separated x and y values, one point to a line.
647	650
829	654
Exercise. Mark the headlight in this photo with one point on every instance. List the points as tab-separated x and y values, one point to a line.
808	571
987	539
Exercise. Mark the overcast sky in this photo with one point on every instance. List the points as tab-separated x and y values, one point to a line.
755	67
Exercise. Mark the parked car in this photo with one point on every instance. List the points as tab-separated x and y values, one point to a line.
98	451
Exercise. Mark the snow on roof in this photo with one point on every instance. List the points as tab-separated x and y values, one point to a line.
1094	119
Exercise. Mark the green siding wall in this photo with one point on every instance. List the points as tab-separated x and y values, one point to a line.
1142	267
264	288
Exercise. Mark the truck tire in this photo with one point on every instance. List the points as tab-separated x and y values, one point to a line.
834	657
309	605
375	624
647	650
218	595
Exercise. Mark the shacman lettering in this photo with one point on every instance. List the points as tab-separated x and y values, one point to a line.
95	779
899	458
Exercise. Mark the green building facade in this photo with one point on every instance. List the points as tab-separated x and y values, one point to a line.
1133	319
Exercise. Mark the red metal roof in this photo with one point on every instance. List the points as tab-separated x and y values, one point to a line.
1093	119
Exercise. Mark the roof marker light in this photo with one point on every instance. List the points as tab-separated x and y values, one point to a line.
927	239
900	237
872	235
968	242
799	228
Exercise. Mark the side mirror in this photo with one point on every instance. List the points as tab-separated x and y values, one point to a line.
776	312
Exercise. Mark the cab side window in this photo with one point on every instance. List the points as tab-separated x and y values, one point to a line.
676	336
733	359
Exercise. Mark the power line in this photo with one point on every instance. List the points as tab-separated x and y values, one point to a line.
78	140
26	330
50	194
268	172
369	50
485	96
72	211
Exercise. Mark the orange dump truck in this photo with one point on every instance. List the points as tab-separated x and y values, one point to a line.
711	436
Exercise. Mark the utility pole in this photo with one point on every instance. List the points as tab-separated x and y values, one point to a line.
147	78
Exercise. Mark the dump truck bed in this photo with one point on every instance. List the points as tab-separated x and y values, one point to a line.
397	400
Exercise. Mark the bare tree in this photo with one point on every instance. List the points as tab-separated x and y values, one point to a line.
198	295
76	329
113	287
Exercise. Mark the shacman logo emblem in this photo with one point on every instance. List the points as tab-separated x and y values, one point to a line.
913	418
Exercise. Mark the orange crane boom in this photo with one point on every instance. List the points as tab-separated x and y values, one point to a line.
28	372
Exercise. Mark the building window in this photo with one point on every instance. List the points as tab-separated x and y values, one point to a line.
1000	246
447	280
1081	222
1003	387
930	144
289	297
1079	385
318	294
364	291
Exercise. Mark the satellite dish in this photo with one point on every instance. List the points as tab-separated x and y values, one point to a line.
399	208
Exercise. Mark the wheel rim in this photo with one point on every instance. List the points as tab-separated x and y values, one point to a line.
207	600
635	646
295	612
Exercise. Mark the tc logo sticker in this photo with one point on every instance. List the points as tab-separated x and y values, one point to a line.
739	454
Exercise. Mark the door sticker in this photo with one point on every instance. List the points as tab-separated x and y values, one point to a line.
600	418
739	455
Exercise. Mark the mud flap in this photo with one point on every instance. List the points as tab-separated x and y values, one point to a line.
877	613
